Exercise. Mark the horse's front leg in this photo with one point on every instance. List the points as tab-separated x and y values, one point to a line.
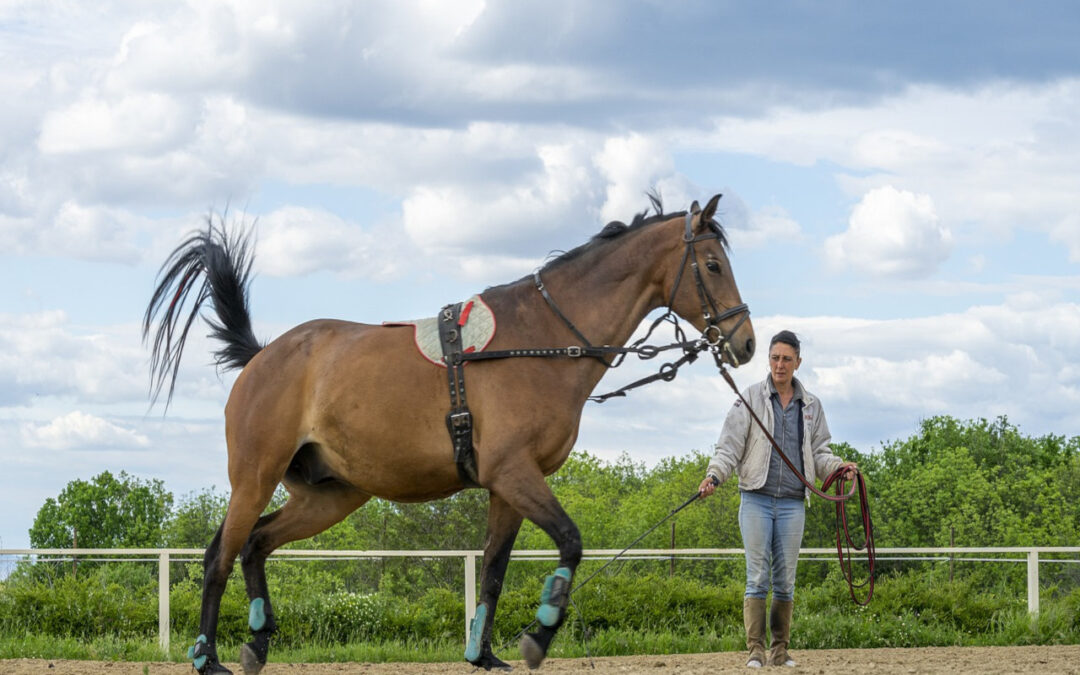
503	525
529	495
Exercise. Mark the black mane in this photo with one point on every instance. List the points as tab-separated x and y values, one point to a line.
616	229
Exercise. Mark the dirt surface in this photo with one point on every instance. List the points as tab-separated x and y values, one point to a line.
1057	659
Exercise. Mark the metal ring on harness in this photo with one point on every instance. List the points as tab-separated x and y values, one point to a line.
713	328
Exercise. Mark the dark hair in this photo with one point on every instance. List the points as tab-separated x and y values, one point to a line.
788	338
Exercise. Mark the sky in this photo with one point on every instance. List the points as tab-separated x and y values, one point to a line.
900	187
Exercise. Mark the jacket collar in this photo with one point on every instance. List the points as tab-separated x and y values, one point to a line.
768	389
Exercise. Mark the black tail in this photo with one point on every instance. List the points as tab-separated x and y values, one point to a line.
223	260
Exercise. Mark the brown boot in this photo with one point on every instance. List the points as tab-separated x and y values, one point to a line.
780	625
753	612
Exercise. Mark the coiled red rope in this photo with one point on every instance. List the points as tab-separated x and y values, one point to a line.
845	544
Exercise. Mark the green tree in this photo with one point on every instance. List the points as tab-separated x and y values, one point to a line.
196	519
985	480
106	512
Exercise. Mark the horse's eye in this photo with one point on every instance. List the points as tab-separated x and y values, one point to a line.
712	266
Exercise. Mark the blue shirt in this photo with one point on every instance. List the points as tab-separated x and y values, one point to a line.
788	432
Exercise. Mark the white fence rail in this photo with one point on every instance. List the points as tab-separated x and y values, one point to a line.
163	557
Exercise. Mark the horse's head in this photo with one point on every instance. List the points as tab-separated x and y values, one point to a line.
701	288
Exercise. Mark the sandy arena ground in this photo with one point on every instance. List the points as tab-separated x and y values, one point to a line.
1057	659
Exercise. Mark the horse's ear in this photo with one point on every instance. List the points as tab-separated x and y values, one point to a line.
710	212
694	208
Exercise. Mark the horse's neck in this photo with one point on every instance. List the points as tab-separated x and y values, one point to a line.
608	292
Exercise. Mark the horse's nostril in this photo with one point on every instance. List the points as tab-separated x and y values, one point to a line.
749	346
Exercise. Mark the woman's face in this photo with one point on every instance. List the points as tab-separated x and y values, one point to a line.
783	362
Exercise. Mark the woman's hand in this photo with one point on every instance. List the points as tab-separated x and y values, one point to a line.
708	486
851	468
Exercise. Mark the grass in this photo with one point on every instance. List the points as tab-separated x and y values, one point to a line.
674	616
100	649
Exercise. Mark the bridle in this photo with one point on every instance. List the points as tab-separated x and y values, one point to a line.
712	336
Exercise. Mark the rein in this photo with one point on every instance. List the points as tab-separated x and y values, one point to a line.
840	499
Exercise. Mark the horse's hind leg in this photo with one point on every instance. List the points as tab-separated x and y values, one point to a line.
245	504
309	510
503	525
525	490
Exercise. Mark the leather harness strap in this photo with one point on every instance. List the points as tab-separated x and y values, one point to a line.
459	421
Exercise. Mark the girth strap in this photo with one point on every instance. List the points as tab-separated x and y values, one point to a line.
459	421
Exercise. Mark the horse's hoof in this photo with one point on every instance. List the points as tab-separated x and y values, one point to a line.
249	661
489	661
532	652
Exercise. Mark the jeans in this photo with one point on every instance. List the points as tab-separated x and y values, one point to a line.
772	530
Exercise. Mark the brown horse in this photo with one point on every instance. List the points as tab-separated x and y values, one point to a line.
341	412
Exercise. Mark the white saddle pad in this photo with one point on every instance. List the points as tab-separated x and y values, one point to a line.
477	330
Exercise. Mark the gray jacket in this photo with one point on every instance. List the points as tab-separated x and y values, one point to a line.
744	449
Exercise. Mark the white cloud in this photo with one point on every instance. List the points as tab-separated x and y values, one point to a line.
43	355
768	226
137	122
1067	231
892	233
47	360
81	430
997	158
512	216
1014	359
295	241
629	164
924	382
93	233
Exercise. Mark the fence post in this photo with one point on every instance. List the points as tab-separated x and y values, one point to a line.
1033	582
163	601
470	592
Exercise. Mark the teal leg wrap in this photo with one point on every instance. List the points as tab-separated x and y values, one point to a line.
257	615
198	661
476	633
553	597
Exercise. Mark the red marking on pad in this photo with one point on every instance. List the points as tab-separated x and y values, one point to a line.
465	313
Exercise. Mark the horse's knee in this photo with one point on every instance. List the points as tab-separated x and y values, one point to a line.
570	551
254	552
216	571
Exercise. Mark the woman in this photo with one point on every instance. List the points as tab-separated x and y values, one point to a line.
773	499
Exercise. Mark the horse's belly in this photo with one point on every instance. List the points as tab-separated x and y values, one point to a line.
383	429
